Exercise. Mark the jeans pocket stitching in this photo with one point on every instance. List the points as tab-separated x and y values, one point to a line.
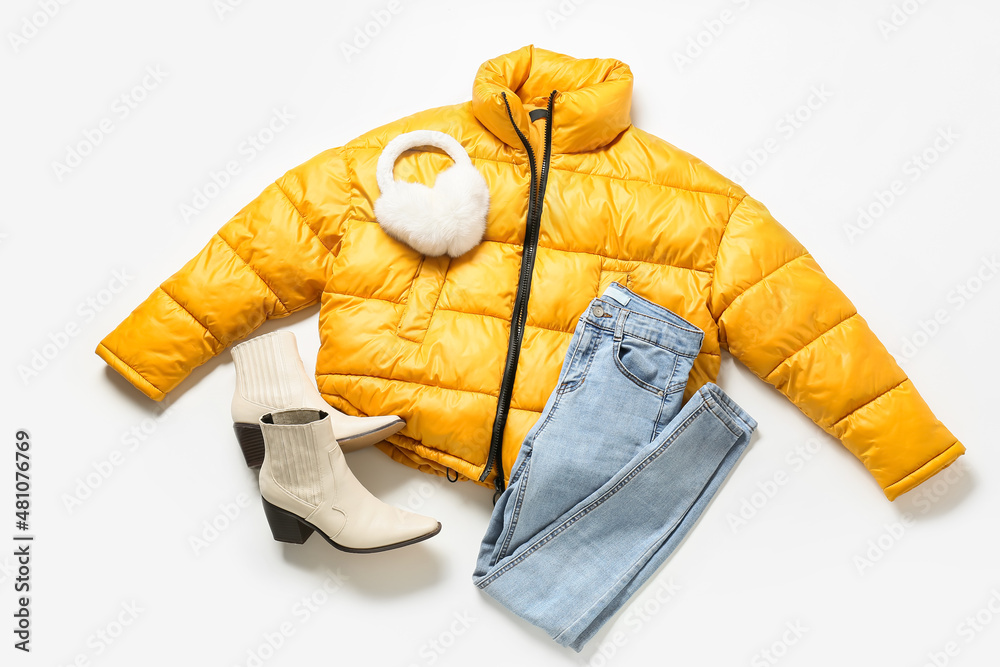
634	378
661	345
594	342
572	354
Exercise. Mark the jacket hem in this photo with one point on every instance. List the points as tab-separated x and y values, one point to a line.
129	373
925	472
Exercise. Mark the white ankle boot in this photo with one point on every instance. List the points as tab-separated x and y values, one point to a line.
307	486
270	376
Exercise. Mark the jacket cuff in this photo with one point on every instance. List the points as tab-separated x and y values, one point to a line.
925	472
129	373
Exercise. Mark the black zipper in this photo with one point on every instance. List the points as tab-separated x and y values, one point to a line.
519	316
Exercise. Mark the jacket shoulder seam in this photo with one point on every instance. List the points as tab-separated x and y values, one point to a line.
718	251
255	271
825	332
302	218
761	280
185	309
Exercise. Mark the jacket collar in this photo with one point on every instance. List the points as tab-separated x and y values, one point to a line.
591	107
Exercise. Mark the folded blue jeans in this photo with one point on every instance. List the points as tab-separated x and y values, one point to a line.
613	474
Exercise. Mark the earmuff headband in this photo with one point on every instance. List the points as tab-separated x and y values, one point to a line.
415	139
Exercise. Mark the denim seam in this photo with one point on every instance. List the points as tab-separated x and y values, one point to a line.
682	382
659	413
629	572
573	354
586	369
545	539
726	420
518	502
679	385
653	547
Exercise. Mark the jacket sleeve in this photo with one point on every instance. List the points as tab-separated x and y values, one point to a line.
271	259
781	316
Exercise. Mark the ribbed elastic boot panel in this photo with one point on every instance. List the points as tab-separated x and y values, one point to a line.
265	366
294	463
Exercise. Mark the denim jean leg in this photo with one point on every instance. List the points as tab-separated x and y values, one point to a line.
609	539
743	421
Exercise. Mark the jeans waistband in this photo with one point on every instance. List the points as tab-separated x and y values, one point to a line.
622	311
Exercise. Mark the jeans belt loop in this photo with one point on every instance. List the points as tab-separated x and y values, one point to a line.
620	323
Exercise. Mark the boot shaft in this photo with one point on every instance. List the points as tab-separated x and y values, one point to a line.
296	439
270	375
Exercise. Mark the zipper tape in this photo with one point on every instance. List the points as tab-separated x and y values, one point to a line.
519	315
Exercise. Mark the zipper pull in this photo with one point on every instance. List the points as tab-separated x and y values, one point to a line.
498	486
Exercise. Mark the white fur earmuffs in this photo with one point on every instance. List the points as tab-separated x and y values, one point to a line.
449	218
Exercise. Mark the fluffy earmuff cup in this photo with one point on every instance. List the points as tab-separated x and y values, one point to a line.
448	219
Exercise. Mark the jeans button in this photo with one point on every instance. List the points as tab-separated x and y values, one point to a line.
598	310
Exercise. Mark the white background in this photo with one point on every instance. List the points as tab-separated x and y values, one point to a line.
863	580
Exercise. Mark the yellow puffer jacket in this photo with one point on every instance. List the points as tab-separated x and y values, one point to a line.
427	337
